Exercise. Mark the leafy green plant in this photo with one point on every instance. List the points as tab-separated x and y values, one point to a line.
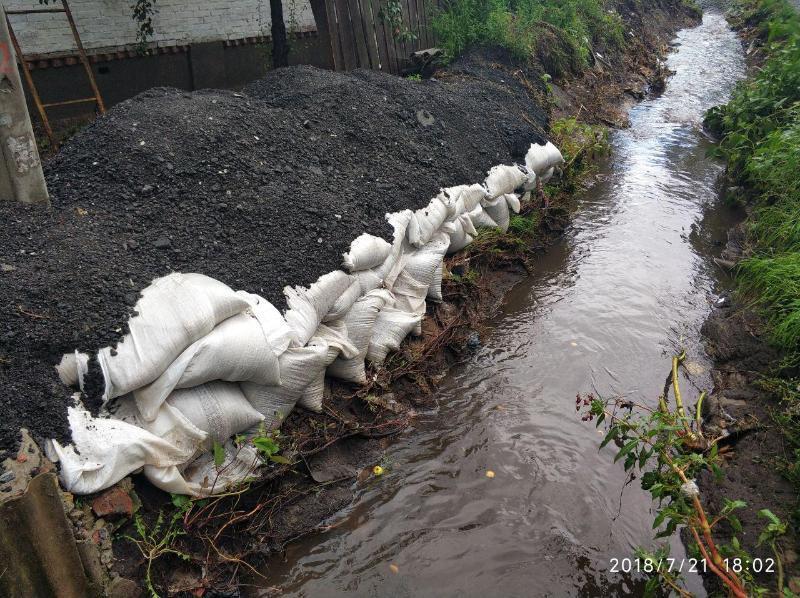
269	446
392	13
525	26
670	449
159	540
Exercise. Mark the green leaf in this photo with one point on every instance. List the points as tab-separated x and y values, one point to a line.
766	513
280	459
180	500
629	446
611	435
266	445
219	454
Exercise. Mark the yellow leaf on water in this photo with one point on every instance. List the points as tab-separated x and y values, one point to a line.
394	568
489	473
377	470
574	344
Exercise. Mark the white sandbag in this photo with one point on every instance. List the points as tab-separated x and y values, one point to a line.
299	367
382	276
426	221
435	288
244	347
547	175
537	159
461	233
512	199
203	477
480	219
497	210
409	294
336	337
360	321
391	327
173	312
554	156
421	263
103	451
530	181
466	197
308	306
366	251
503	179
72	368
218	408
540	158
345	301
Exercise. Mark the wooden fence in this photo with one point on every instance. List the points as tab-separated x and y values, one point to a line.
376	34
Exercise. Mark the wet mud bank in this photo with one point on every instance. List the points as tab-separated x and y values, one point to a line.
746	401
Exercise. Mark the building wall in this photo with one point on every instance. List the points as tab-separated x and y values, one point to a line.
108	25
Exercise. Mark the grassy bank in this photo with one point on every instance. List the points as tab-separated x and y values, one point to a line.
760	139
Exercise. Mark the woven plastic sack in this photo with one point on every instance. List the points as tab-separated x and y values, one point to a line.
480	219
105	450
203	477
426	221
172	313
503	179
344	302
219	408
391	327
72	368
299	367
244	347
497	210
537	159
421	264
461	233
336	337
381	277
360	321
466	197
307	307
512	199
366	251
435	288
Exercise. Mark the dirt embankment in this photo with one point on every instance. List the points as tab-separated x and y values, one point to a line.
742	409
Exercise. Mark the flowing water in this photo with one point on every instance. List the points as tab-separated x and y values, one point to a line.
629	283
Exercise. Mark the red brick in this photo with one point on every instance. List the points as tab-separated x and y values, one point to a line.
113	502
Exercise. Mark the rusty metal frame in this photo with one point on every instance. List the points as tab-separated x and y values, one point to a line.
97	98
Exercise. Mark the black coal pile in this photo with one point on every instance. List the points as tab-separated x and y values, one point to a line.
259	189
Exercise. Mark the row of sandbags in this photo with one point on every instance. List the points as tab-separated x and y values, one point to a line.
203	363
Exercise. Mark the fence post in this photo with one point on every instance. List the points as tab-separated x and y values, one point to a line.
21	176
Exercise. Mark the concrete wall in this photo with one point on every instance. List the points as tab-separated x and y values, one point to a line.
196	44
108	25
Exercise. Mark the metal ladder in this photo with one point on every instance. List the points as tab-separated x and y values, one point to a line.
41	107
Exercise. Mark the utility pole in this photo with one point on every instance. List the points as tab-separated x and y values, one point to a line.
21	176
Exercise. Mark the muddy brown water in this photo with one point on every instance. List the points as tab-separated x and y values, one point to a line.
630	282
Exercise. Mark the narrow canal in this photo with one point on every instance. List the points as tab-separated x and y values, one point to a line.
630	282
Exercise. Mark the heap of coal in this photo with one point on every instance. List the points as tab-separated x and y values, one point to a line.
258	189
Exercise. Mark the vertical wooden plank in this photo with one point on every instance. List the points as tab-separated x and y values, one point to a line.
406	44
325	20
380	36
358	34
369	33
413	26
349	57
391	44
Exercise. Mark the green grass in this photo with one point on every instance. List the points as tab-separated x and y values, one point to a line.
561	33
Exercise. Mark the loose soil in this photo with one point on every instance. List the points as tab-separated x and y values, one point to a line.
258	189
737	342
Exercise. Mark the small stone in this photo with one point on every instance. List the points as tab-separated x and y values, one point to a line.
147	189
425	118
7	477
7	268
162	243
113	502
131	244
474	341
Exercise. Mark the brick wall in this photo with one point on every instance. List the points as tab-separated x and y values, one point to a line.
107	24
